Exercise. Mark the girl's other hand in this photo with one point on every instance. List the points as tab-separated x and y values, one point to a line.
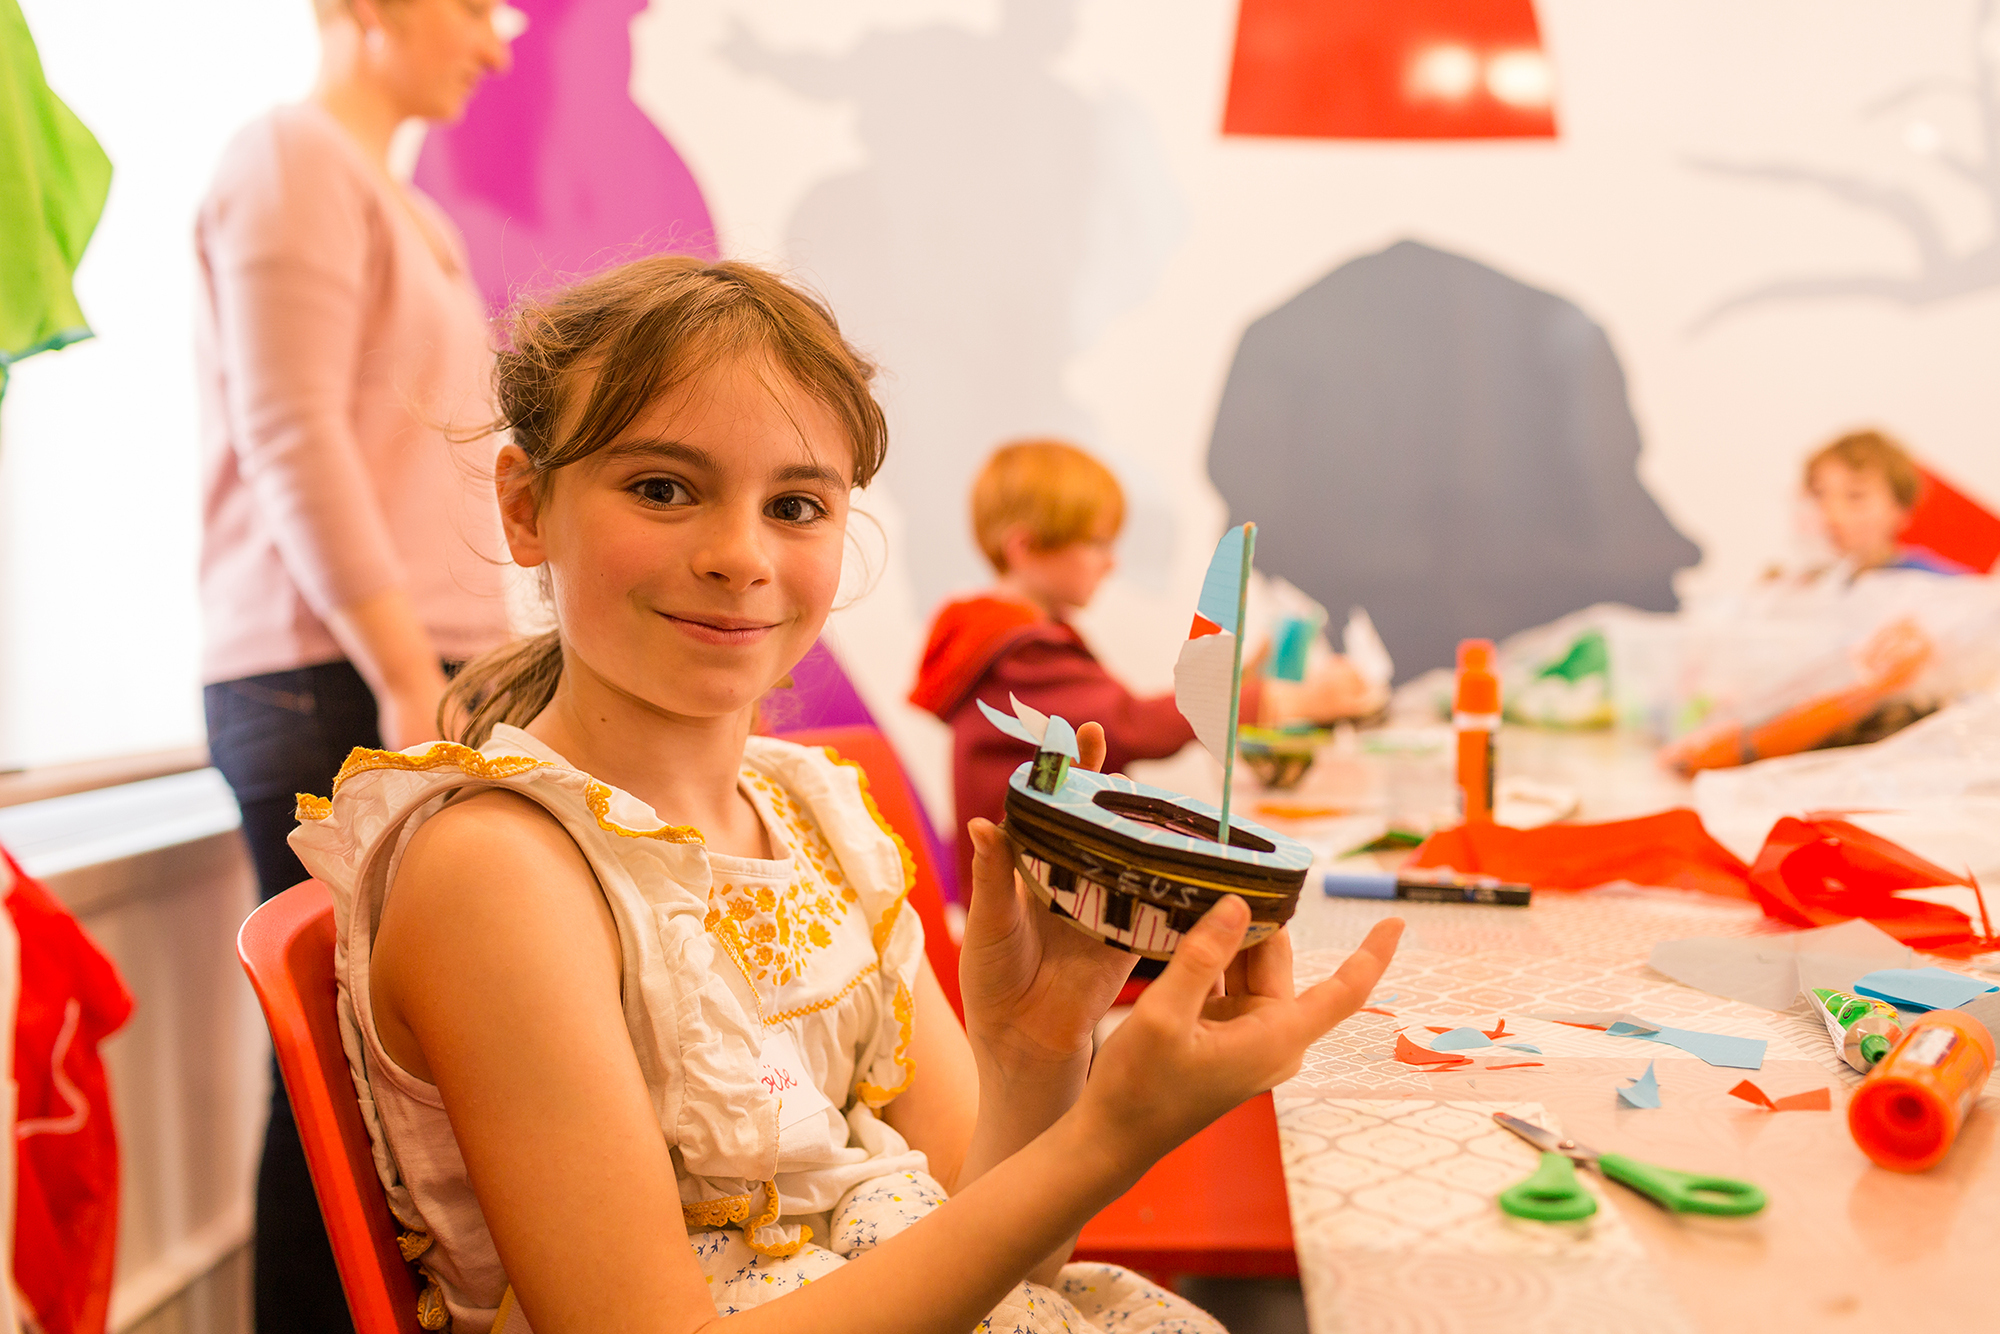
1034	986
1187	1054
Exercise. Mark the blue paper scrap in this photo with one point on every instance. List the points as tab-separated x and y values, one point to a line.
1522	1046
1715	1048
1458	1039
1922	988
1643	1091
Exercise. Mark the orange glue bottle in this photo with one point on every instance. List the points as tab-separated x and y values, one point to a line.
1475	714
1907	1112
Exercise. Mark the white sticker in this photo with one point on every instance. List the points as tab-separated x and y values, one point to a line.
784	1073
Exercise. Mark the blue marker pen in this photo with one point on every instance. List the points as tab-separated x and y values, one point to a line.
1426	887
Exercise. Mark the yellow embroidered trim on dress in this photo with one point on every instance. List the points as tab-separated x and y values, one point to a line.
875	812
725	933
441	755
766	1219
597	796
505	1312
827	1004
312	808
874	1094
432	1313
717	1213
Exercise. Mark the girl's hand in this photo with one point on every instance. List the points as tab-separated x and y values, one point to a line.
1186	1055
1034	986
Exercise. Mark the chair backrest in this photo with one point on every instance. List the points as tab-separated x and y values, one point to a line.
1953	524
287	949
897	801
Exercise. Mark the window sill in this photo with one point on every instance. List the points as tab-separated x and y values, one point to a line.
61	780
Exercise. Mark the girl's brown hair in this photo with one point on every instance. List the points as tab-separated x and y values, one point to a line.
581	365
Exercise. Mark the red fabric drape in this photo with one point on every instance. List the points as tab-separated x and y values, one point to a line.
66	1186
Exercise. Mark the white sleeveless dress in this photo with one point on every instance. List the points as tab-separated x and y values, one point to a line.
769	1003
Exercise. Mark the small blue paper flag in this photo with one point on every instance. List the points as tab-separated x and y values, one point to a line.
1922	988
1643	1091
1714	1048
1458	1039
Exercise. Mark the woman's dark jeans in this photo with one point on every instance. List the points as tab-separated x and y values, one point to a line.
273	737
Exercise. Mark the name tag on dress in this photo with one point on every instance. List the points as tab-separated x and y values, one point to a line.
784	1073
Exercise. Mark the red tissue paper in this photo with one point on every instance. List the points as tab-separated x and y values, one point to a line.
66	1187
1671	848
1822	870
1814	871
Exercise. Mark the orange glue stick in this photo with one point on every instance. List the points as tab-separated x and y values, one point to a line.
1907	1112
1475	714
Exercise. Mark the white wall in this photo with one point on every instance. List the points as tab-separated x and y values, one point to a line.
1613	215
99	507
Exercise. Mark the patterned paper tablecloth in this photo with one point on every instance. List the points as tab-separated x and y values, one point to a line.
1392	1169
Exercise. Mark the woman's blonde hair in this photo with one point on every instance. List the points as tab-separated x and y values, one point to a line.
1055	490
580	366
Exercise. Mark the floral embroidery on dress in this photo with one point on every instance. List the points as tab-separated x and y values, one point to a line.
775	933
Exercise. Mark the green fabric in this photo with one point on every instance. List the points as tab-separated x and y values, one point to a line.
53	180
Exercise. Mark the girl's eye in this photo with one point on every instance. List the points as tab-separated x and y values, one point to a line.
661	491
796	509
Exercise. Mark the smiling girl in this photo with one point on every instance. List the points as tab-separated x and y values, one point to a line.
647	1037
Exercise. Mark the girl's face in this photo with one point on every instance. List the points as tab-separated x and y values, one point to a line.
694	559
435	52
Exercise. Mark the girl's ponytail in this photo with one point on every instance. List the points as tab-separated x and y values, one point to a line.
510	684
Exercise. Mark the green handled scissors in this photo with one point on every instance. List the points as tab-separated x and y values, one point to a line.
1554	1195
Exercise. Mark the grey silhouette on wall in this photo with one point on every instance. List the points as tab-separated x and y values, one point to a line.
1422	436
1943	270
1001	220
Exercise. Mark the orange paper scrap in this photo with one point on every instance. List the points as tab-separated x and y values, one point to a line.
1409	1053
1514	1065
1812	1100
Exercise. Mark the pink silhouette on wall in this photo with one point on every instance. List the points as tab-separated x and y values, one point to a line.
555	172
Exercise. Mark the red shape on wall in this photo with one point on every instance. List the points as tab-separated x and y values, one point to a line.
1390	69
1953	524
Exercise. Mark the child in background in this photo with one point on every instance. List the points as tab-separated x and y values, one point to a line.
1864	486
646	1032
1046	515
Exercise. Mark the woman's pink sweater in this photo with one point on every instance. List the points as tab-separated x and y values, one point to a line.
340	365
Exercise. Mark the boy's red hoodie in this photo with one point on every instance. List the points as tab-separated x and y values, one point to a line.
987	647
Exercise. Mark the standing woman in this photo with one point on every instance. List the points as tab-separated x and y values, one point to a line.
350	550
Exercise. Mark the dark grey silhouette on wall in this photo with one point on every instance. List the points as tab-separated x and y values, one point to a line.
1001	220
1452	449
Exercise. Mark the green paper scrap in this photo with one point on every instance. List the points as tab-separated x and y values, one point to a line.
1643	1091
1714	1048
1922	988
1393	840
1458	1039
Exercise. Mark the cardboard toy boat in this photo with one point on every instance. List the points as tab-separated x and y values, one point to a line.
1133	865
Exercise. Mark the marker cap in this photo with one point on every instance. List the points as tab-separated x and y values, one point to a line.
1360	885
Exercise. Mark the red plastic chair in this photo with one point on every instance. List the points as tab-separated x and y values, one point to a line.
1214	1206
287	948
